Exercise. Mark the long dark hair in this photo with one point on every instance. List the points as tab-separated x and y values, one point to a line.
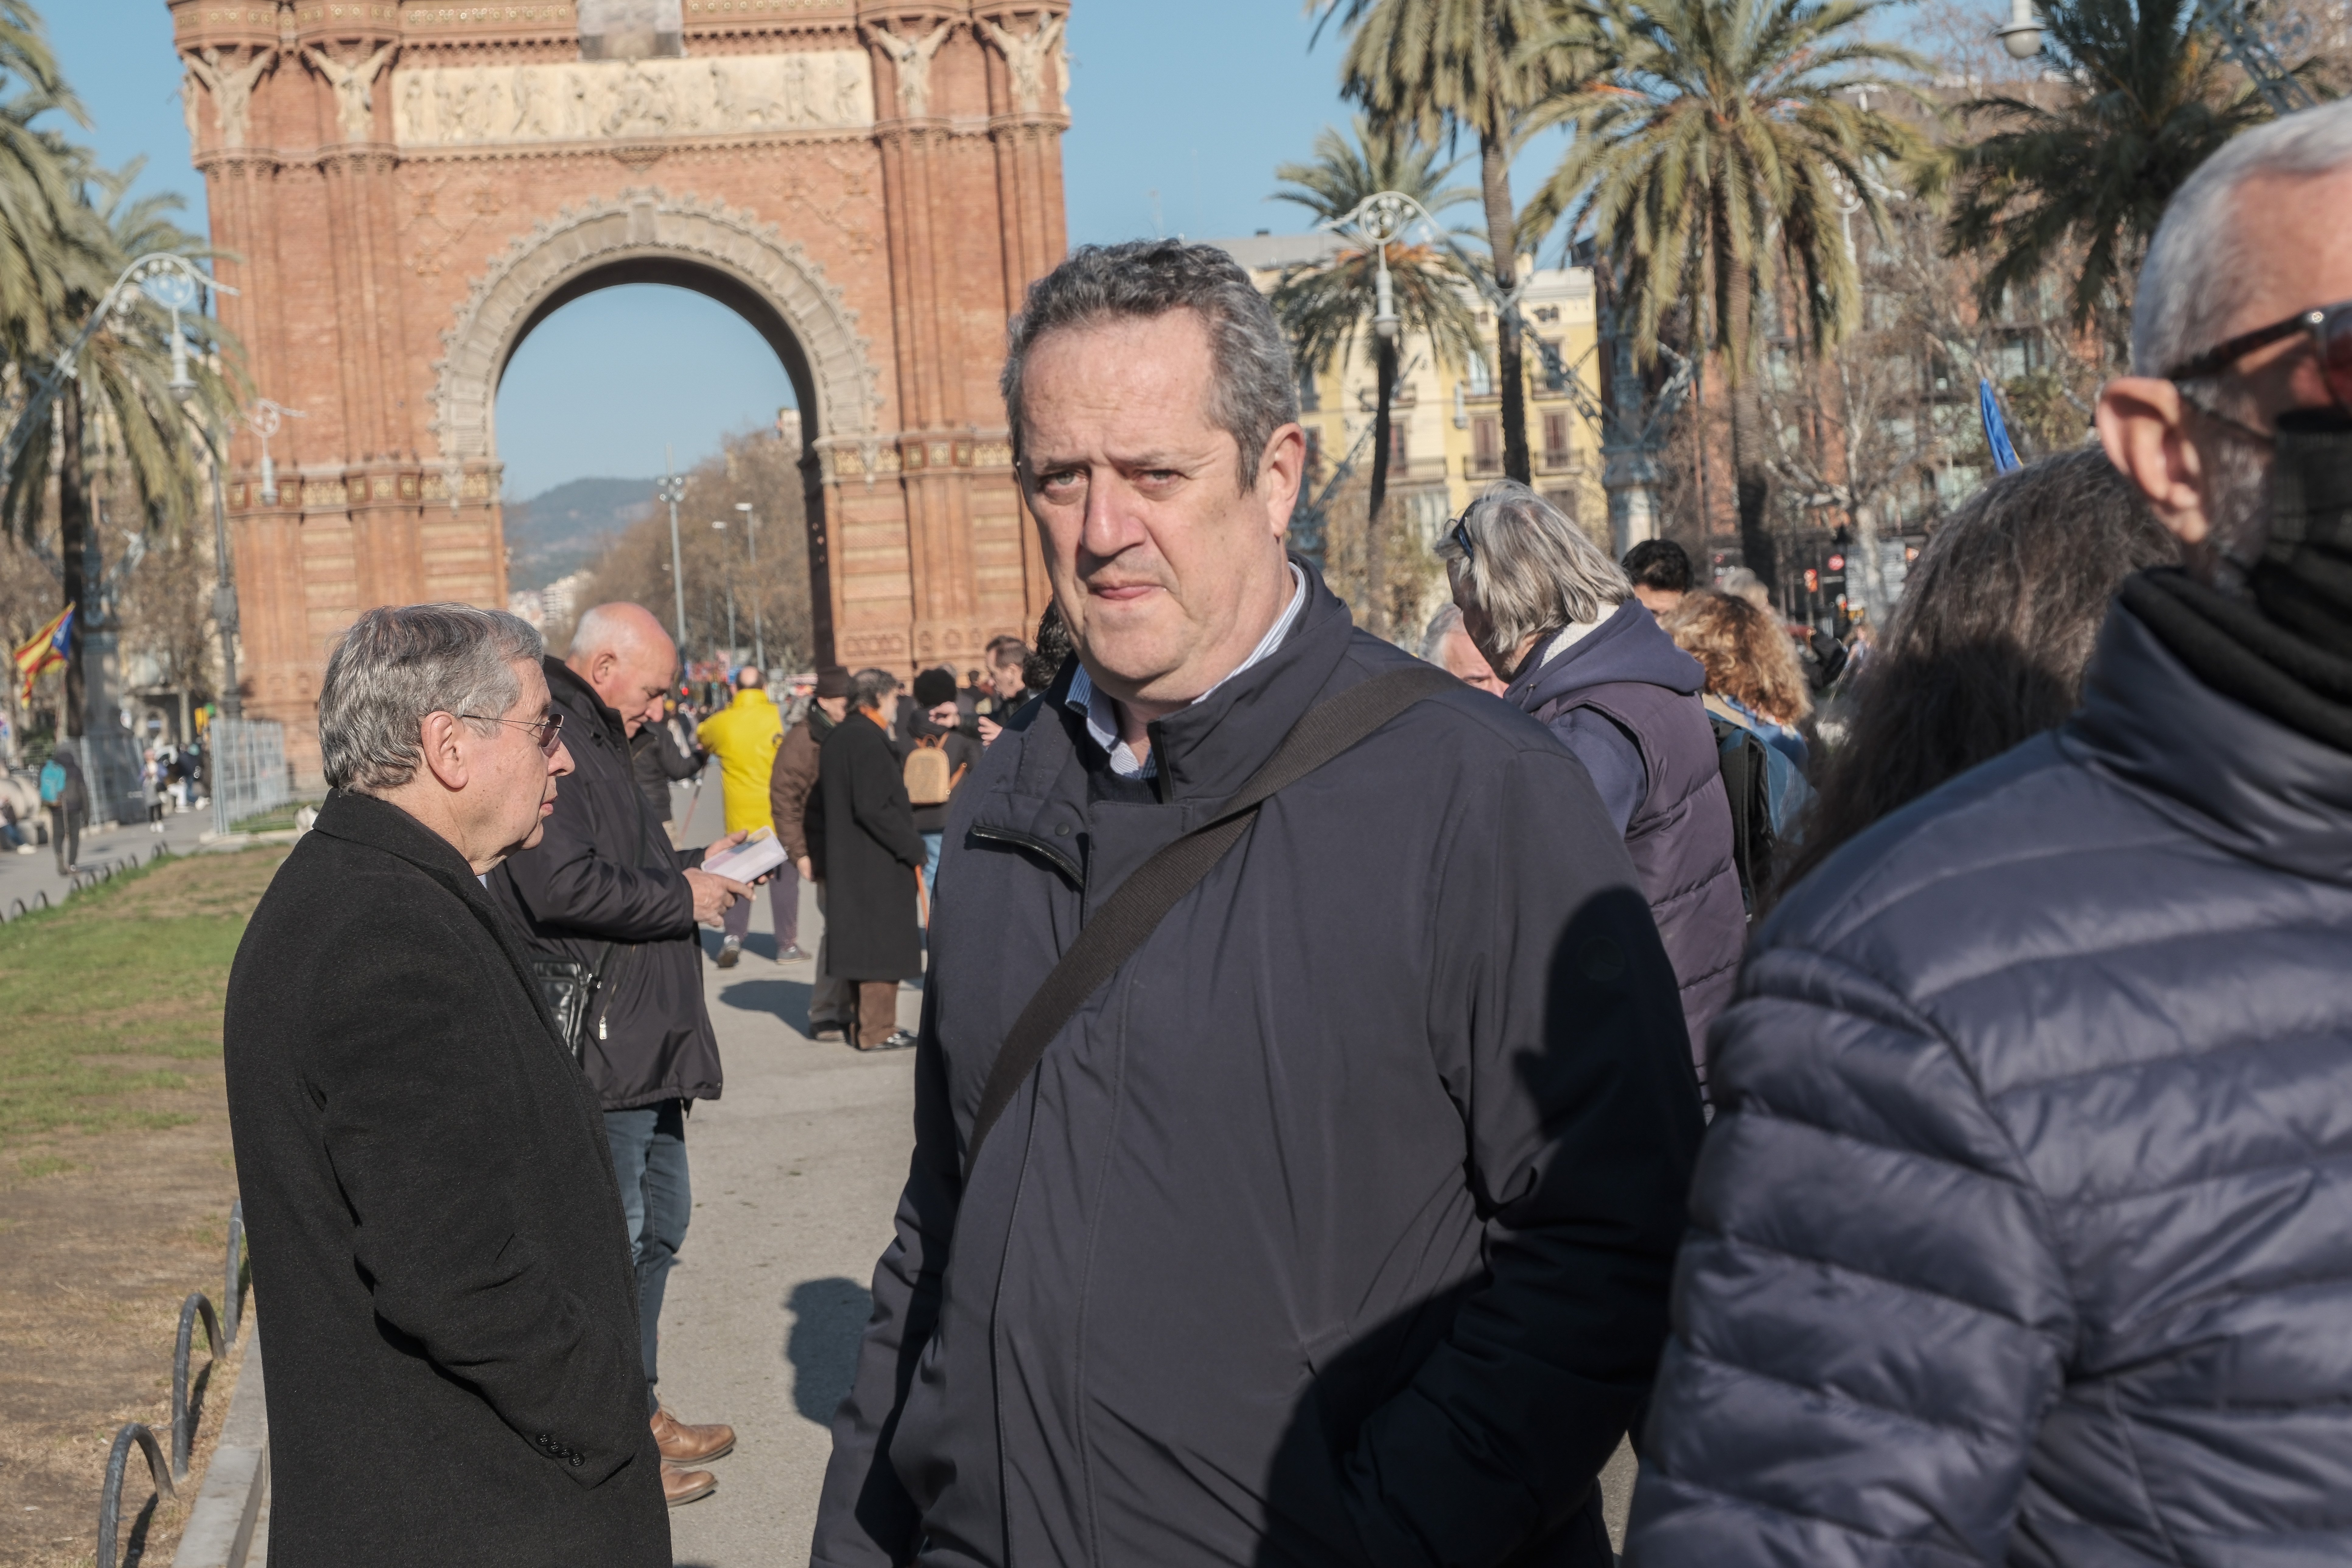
1987	647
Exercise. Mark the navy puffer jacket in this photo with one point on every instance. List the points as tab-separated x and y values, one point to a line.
2025	1233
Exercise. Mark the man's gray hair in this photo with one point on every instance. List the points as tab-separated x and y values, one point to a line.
401	662
1253	387
1528	567
2200	266
1443	624
868	687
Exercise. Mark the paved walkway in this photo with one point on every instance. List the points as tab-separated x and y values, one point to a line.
796	1172
23	876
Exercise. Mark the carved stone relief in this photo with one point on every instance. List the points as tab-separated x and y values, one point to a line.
1025	55
603	100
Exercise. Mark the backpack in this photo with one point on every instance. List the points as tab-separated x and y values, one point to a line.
930	781
1768	796
53	782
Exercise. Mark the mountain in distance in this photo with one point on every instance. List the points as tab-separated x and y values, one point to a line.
558	531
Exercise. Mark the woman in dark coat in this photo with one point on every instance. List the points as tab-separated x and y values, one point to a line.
864	847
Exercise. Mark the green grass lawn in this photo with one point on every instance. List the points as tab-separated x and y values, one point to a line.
106	995
277	819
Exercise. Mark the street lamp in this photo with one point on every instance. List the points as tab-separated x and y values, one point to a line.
175	283
2021	34
266	419
672	489
751	544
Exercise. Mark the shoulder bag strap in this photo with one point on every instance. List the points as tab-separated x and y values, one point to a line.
1128	916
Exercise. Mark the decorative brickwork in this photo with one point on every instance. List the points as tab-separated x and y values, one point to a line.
402	191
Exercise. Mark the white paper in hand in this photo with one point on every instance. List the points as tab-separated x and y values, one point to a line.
749	860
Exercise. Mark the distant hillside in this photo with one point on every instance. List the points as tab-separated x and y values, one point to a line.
556	534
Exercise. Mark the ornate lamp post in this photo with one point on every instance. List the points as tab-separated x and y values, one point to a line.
751	544
672	489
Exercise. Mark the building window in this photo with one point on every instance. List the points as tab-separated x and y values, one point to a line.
1566	501
1485	445
1558	451
1482	375
1396	446
1555	369
1310	396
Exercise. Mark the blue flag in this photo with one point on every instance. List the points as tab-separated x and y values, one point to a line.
2004	456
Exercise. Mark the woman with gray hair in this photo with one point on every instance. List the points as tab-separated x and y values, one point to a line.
1558	621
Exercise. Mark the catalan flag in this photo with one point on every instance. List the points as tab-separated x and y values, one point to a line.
46	650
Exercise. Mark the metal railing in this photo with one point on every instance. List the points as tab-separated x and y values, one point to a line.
81	881
248	761
220	1338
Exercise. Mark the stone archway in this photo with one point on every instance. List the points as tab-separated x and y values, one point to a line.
400	190
828	362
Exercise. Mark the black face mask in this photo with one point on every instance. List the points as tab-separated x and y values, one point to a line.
2304	581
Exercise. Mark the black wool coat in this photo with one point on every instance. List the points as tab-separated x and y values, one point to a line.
1336	1228
862	843
603	886
439	1256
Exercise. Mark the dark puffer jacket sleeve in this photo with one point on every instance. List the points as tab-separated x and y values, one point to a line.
1870	1317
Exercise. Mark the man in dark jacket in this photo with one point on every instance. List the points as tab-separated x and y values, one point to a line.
439	1251
1334	1227
864	848
1587	661
790	787
2021	1232
937	725
604	890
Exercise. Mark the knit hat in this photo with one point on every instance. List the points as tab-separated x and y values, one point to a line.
933	687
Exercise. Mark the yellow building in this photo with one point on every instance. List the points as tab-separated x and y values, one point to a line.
1446	421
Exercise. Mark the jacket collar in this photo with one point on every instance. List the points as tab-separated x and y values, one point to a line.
578	701
380	825
2234	778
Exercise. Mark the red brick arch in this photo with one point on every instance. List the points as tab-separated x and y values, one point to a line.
404	188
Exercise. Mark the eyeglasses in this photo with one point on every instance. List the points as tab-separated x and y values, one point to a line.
2330	327
548	731
1460	536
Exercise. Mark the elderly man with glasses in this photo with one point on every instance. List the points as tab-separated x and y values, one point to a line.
438	1247
2021	1233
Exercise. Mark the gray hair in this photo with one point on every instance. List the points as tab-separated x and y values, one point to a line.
1741	582
1528	567
401	662
2201	265
1443	624
868	687
1253	386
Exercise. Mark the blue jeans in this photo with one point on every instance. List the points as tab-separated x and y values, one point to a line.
932	842
648	1146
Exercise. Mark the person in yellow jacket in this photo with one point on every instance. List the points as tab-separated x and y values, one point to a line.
743	736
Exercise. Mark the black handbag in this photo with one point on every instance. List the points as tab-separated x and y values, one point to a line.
570	988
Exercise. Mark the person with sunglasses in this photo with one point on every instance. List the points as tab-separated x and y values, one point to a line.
2021	1234
438	1247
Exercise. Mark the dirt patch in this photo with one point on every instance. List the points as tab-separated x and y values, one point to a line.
101	1252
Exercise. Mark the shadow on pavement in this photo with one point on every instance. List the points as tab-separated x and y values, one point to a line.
787	999
828	1318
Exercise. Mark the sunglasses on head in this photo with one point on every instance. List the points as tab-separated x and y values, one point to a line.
2330	327
1460	535
547	731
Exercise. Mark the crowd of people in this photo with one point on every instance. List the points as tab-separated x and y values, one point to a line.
1356	1092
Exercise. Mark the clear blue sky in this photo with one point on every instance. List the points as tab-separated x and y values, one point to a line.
1196	100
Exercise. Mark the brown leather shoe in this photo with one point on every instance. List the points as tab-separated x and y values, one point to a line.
682	1486
682	1445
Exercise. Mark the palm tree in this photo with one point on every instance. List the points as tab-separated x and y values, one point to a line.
36	186
1324	308
1725	139
1452	66
2084	183
122	384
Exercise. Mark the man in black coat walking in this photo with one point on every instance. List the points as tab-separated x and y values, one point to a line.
864	848
1334	1226
439	1251
604	890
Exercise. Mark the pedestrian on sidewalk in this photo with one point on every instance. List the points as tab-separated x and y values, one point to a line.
2021	1232
937	726
1587	659
1660	571
865	850
1333	1222
438	1249
1008	685
790	787
743	736
613	912
66	795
